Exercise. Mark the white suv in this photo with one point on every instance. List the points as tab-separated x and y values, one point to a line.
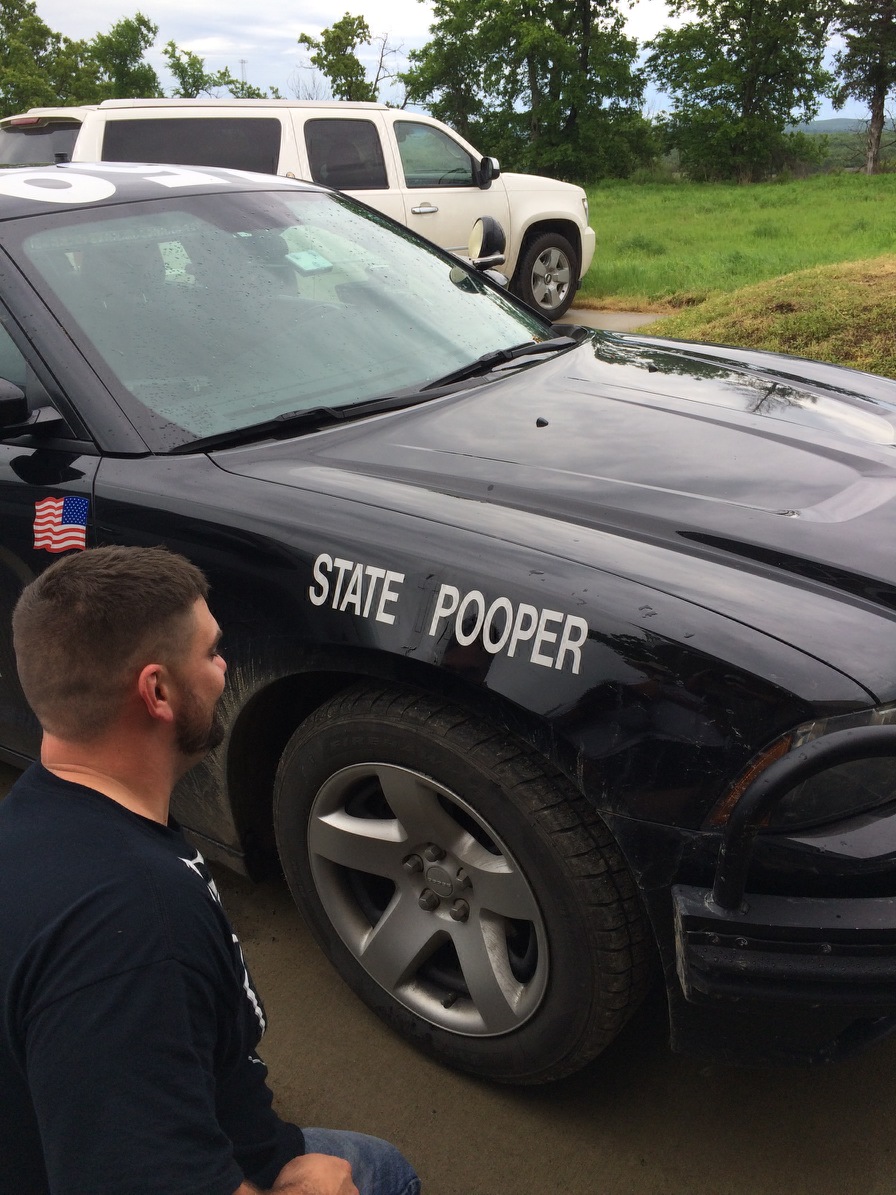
409	166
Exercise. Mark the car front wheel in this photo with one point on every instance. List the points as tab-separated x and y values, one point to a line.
547	274
459	884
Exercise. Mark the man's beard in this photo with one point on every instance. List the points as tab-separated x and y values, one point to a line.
198	731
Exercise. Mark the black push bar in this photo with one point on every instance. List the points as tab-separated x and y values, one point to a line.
843	746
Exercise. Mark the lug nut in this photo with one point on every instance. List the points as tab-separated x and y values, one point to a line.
463	880
428	900
433	853
413	863
460	910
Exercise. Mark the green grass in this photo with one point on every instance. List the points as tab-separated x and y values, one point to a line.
668	246
844	313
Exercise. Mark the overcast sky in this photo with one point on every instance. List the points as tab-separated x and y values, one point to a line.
258	38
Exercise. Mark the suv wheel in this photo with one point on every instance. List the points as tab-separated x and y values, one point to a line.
547	274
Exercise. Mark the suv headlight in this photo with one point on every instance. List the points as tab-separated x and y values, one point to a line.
843	790
585	206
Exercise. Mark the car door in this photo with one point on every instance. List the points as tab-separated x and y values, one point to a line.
46	494
442	198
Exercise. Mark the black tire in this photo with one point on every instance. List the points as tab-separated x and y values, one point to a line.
382	796
547	274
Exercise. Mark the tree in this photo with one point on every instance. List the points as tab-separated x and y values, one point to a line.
118	56
738	76
334	56
39	66
190	75
550	85
866	66
193	79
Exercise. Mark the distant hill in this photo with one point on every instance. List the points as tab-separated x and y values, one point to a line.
838	124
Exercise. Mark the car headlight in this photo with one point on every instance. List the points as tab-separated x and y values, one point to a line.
585	206
842	790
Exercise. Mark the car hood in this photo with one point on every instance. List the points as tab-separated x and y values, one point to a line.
537	182
640	457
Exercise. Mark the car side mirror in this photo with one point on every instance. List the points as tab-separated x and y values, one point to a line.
13	405
488	171
487	243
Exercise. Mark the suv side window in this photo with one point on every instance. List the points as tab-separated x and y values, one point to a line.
238	143
430	158
346	154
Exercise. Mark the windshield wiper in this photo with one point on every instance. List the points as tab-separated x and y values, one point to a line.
488	361
309	417
279	425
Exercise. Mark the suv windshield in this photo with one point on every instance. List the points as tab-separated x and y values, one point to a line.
209	313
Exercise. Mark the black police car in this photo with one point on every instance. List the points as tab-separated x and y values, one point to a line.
558	661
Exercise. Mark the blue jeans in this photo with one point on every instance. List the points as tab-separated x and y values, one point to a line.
377	1167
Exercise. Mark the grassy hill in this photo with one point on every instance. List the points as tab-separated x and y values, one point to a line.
844	313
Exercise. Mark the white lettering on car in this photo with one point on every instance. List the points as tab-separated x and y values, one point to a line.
549	638
524	625
61	187
545	636
354	586
446	603
501	625
81	186
181	178
501	603
467	632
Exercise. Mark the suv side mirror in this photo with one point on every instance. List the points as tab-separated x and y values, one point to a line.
488	171
486	244
13	405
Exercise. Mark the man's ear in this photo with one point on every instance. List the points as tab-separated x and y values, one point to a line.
154	690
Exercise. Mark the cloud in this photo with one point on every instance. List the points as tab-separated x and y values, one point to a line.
233	32
225	32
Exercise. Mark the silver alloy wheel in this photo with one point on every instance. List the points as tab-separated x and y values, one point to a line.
428	899
551	278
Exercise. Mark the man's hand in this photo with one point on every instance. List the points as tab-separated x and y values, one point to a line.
315	1174
310	1174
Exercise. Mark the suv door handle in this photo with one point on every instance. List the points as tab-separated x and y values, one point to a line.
425	209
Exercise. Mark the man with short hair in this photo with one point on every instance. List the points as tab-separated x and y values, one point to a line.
128	1019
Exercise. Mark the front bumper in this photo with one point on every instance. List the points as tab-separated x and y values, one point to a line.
781	949
791	950
589	241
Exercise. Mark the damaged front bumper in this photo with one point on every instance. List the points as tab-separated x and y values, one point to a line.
804	950
766	977
781	979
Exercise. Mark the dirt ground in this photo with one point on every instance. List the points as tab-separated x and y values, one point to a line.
637	1121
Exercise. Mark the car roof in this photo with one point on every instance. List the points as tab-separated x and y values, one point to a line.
34	190
78	112
234	102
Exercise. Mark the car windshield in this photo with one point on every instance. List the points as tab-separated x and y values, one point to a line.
211	313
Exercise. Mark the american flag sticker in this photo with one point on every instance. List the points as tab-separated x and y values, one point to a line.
60	524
